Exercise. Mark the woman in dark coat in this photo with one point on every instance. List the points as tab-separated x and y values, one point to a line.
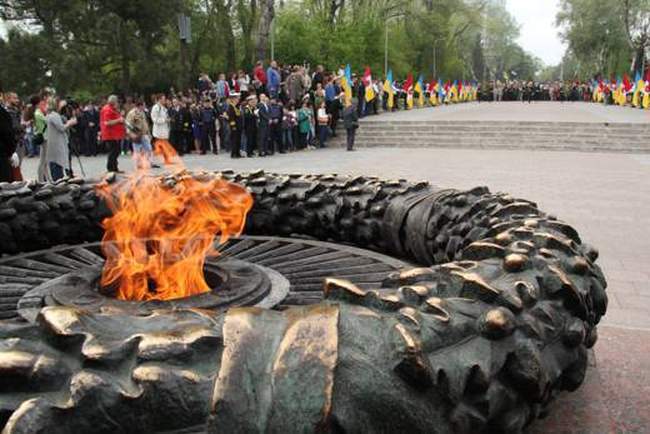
351	122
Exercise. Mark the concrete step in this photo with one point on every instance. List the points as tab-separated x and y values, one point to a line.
620	137
587	139
537	146
501	129
473	123
512	135
528	146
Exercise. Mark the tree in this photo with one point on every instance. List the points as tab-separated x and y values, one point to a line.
636	18
606	37
132	46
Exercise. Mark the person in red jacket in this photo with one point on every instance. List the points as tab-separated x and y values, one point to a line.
259	78
112	129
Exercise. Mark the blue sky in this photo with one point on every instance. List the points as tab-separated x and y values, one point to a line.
539	35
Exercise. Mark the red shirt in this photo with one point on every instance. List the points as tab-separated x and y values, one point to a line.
260	74
111	132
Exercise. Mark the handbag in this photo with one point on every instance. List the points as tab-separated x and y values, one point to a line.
39	138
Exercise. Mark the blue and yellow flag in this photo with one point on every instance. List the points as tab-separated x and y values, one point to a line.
441	91
346	83
388	90
419	88
453	93
639	85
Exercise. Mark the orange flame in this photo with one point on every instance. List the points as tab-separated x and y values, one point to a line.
162	229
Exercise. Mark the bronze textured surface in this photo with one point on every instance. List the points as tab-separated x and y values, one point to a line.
494	323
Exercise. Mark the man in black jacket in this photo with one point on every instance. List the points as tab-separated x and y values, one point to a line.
276	126
7	142
91	120
176	136
208	132
250	124
264	114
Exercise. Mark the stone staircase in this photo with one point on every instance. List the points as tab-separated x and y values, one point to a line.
560	136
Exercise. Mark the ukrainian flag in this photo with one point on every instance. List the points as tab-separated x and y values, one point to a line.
639	84
453	93
388	90
433	93
419	88
346	83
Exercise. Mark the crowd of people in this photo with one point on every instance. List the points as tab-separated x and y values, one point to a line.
610	92
271	110
279	108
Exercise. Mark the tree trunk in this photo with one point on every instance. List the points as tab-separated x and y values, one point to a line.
267	13
247	20
223	11
124	57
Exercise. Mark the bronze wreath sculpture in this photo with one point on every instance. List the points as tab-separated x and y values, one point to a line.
480	339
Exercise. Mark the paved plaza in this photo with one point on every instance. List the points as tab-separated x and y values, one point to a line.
537	111
604	196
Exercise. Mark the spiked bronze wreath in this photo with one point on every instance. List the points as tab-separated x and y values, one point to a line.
492	326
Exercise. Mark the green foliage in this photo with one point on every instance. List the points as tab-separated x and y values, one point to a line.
96	47
605	37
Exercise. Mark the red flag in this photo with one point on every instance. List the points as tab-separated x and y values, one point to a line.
432	86
460	86
447	86
367	77
627	85
408	84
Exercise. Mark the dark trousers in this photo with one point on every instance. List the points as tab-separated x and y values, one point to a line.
263	142
235	142
251	139
333	110
304	140
224	134
91	142
177	139
276	138
323	133
351	133
208	139
287	139
113	148
56	171
6	173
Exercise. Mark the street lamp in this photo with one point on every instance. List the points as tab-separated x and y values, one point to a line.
386	43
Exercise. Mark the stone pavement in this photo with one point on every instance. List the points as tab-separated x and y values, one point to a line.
604	196
540	111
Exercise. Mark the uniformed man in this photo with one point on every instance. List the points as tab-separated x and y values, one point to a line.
233	116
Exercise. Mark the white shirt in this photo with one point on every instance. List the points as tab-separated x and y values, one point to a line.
160	120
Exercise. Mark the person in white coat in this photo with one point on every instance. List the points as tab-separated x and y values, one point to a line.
160	119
